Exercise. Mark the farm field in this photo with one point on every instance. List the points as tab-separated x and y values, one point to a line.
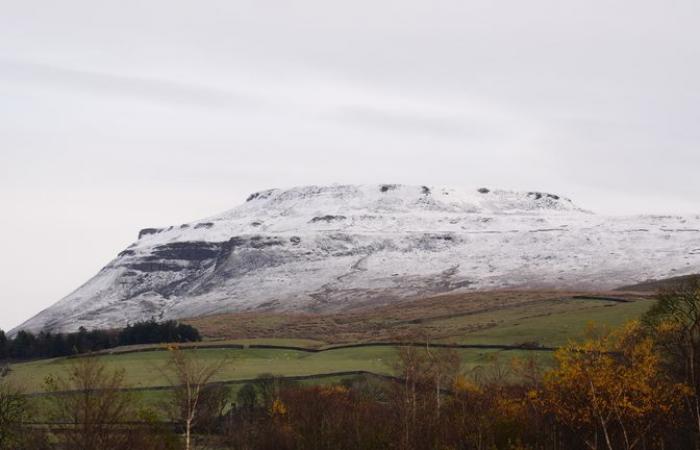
554	324
505	318
148	369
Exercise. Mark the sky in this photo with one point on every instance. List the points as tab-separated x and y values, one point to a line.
116	116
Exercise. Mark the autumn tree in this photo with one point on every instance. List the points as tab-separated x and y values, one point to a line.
487	406
424	375
471	413
610	389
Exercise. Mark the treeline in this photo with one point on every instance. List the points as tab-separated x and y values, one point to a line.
635	387
27	345
614	391
611	392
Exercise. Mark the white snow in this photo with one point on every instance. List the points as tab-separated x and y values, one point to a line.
326	248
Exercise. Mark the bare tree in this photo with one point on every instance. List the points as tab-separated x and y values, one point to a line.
190	376
93	401
675	320
13	410
416	398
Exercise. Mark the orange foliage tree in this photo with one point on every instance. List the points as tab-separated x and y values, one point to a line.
611	390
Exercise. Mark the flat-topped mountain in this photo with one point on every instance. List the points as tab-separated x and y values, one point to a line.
340	247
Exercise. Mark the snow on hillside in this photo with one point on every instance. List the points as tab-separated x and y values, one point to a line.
333	248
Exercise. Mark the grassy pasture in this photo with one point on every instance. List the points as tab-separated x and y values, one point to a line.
504	317
508	318
145	370
554	324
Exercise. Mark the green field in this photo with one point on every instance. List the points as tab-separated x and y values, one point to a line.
555	325
148	369
548	323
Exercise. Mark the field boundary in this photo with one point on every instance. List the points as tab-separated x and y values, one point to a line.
163	347
603	298
317	376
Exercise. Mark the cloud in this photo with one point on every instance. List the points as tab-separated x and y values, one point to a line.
161	91
406	121
177	110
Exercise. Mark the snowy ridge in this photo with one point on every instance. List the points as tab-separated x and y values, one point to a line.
331	248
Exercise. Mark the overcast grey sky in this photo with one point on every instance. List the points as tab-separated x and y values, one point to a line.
116	116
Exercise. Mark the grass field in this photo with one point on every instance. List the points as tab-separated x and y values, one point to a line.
148	369
508	318
556	324
500	317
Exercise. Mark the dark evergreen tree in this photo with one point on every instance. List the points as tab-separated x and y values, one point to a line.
3	345
47	344
152	332
23	345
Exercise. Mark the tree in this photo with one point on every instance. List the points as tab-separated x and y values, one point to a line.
189	376
675	322
610	388
3	345
424	374
23	345
47	344
152	332
247	398
13	411
93	401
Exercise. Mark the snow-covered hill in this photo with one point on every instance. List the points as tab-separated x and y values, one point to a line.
338	247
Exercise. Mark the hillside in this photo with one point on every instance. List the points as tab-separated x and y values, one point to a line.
522	324
548	318
652	286
340	248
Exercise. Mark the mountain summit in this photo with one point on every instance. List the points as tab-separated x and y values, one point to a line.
339	247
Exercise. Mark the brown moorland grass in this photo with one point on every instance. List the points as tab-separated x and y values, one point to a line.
456	318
